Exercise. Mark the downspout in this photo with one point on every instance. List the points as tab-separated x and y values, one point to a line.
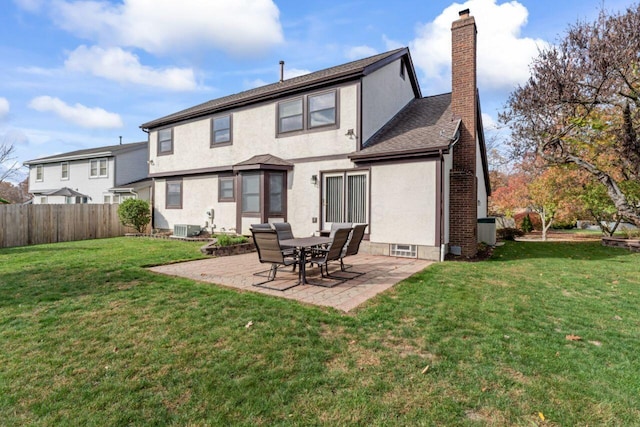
441	203
453	142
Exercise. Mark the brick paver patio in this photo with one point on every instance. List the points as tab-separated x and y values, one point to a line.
381	273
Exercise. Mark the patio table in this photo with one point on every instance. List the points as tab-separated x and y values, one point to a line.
302	244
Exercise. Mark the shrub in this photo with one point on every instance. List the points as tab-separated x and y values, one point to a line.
228	240
527	226
564	225
135	213
509	233
534	217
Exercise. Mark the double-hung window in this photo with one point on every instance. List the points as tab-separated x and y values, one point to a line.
39	173
174	195
226	189
165	141
251	193
64	170
98	168
322	109
308	112
290	116
221	131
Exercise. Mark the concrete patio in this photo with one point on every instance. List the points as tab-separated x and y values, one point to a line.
381	273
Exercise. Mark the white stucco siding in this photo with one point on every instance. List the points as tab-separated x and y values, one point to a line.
254	132
482	188
199	195
404	203
131	166
384	93
304	197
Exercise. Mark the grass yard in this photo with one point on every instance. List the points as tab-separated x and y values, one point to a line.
541	334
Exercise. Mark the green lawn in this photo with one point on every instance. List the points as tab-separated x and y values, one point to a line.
89	337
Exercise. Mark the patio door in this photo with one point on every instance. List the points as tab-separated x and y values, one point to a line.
345	197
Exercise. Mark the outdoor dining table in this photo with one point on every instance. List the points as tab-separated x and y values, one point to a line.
302	244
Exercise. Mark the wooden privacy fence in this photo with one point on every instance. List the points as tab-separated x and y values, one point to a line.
22	225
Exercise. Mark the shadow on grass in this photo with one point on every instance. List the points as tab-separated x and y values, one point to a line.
584	251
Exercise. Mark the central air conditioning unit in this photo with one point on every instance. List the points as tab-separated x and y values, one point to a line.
184	230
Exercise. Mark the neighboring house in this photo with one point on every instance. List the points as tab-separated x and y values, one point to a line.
353	143
96	175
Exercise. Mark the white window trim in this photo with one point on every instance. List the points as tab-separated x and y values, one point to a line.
62	177
97	161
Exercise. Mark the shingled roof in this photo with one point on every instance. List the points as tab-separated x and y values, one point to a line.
424	126
340	73
110	150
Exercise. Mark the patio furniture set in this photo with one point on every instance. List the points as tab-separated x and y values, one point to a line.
276	245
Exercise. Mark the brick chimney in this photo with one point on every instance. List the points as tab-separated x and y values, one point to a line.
463	207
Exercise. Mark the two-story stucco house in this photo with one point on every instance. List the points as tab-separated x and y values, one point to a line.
354	143
96	175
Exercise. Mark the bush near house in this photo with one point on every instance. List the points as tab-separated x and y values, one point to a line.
135	213
534	217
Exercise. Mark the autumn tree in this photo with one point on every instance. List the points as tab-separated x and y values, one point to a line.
581	106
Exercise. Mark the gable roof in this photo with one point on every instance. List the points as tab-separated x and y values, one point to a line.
89	153
424	126
333	75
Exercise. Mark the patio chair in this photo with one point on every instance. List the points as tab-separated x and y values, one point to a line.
352	246
284	230
265	226
269	251
322	257
338	225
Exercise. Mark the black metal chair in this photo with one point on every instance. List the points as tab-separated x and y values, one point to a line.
352	246
265	226
270	252
322	257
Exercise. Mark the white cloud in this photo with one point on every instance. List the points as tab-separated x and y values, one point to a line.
503	55
239	27
488	122
4	107
359	52
29	5
290	73
124	67
78	113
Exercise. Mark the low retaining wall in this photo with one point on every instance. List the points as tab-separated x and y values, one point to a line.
217	251
616	242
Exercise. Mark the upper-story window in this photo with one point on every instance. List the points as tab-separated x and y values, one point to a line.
39	173
322	109
308	112
290	116
64	170
98	168
221	131
165	141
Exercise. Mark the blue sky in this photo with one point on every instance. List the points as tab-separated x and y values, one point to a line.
80	74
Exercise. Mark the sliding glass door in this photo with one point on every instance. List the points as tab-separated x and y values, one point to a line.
345	197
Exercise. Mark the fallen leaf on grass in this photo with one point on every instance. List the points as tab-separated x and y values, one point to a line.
616	317
248	325
572	337
541	415
426	368
596	343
